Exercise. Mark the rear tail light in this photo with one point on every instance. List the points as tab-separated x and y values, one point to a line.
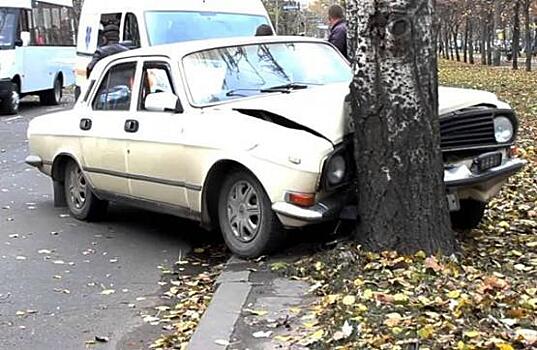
300	199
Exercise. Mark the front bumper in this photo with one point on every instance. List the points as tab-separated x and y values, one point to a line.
460	176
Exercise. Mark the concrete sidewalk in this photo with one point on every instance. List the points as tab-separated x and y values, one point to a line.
253	308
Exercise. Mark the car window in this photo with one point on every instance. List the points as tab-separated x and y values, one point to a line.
115	91
155	78
131	32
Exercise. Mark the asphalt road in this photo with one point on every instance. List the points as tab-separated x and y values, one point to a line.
63	282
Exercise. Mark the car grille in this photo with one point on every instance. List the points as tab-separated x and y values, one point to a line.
467	129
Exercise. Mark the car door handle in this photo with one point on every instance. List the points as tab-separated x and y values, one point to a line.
85	124
132	126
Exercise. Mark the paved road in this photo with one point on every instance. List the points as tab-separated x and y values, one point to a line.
55	269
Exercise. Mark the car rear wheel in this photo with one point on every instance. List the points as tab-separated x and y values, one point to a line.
248	224
469	216
53	96
11	104
81	201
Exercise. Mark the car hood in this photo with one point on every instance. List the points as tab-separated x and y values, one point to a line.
323	108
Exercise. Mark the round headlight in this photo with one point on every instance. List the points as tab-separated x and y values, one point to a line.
336	170
503	129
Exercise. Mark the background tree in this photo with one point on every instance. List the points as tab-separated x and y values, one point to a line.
401	196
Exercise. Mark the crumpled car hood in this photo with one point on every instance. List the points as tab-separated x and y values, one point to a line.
323	108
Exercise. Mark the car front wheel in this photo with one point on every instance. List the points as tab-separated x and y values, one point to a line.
11	104
469	216
248	224
81	201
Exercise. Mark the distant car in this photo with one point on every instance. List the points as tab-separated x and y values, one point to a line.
248	135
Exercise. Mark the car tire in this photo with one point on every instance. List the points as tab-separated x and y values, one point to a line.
81	201
249	225
11	104
53	96
469	216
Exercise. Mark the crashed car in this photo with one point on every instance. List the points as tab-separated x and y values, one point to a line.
245	135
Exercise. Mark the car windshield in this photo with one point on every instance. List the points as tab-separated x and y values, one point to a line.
223	74
8	22
172	27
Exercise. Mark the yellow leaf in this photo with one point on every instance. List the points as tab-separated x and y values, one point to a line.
504	346
361	307
454	294
471	334
318	266
426	332
367	295
349	300
421	254
317	335
332	298
400	298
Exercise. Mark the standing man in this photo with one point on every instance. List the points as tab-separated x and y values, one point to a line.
338	28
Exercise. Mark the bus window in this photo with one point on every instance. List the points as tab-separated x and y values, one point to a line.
52	25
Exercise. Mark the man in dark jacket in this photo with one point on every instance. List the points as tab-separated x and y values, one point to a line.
110	46
338	28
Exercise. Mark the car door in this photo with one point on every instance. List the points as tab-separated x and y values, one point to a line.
154	154
104	139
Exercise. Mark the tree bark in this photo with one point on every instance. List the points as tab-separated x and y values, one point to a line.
471	43
465	47
496	56
516	34
483	43
527	4
401	194
455	37
489	45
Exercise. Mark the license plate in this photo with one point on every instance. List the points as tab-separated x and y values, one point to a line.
453	202
487	161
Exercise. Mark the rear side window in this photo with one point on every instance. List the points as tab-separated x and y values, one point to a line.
131	32
115	91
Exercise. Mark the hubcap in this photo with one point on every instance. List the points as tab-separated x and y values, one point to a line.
78	189
15	100
244	212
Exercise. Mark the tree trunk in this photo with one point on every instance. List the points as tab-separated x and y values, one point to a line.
489	45
529	50
394	99
471	43
516	34
496	59
483	43
465	47
455	42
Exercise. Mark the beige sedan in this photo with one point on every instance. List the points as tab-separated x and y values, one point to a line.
245	135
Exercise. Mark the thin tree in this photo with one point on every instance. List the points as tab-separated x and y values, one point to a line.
496	54
471	42
529	51
516	33
394	99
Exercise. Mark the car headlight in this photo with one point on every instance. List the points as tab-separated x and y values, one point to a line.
336	170
503	129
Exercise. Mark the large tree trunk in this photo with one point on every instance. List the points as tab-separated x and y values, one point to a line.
527	29
455	42
471	43
496	56
516	34
401	194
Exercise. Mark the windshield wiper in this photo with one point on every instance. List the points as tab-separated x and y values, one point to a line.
236	92
287	88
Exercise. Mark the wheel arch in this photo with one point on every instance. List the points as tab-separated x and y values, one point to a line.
17	80
211	189
58	176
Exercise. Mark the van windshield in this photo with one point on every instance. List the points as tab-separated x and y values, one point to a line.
172	27
8	24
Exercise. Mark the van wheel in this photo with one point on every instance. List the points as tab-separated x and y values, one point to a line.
53	96
12	102
81	201
469	216
248	224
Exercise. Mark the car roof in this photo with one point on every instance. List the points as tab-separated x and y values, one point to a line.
179	50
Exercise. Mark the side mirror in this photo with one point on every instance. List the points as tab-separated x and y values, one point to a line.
163	102
25	39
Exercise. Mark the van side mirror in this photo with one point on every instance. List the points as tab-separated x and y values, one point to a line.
24	40
163	102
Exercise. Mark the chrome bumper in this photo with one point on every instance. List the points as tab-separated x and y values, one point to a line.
327	209
34	161
461	176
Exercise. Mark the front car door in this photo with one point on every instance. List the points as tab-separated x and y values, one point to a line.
154	154
104	140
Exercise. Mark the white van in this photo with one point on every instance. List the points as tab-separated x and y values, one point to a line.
146	23
37	50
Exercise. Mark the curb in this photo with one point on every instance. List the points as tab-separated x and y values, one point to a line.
218	322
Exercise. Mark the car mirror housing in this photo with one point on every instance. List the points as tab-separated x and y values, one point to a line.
163	102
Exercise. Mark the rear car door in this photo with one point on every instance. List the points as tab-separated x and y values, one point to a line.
104	140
